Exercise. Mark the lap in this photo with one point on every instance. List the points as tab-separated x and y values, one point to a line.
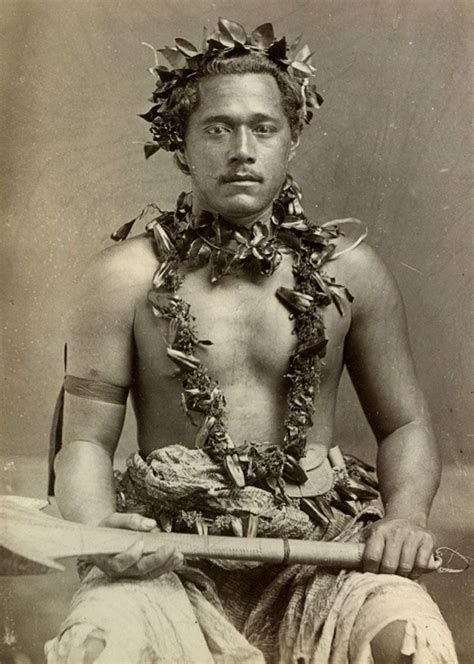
148	621
172	619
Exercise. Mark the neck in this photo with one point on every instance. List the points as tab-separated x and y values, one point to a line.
245	220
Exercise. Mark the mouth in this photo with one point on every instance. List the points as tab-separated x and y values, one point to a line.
241	178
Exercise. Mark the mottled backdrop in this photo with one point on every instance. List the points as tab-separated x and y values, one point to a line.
391	145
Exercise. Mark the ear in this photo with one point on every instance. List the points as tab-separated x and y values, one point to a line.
294	145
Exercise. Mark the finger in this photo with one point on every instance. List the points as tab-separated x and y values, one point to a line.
123	561
391	556
128	521
164	560
408	555
373	552
423	556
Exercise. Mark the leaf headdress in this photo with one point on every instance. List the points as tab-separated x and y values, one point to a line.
228	39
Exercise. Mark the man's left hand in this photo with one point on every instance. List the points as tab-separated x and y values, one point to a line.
397	546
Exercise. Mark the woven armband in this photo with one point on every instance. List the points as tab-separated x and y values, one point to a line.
95	390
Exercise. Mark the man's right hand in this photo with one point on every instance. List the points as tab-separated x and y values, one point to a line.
132	562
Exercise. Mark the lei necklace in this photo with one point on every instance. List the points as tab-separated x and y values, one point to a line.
183	239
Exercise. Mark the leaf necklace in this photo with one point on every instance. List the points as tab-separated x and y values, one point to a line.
183	239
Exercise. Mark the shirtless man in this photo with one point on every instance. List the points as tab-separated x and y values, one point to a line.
238	141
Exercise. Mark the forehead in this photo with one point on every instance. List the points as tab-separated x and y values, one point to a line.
239	95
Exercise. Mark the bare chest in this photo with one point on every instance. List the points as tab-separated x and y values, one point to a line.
251	331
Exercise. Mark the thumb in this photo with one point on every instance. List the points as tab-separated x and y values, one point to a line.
128	521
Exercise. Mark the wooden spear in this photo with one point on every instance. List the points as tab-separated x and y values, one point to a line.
32	542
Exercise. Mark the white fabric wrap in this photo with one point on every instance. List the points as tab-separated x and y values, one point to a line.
365	604
163	621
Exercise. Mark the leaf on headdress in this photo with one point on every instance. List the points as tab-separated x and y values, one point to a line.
205	32
195	62
294	45
149	116
235	30
302	68
263	36
303	54
150	148
215	44
313	99
277	50
223	36
185	47
174	57
165	74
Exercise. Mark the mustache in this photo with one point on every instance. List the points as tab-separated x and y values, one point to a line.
241	176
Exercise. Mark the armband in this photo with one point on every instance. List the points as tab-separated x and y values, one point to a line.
95	390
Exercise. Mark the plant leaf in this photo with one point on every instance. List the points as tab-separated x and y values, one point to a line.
159	300
174	57
263	36
150	149
122	233
162	240
278	49
185	47
295	44
303	54
199	253
224	36
149	116
302	68
182	360
235	30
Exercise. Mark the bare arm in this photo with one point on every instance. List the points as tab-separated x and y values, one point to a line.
100	348
100	338
379	361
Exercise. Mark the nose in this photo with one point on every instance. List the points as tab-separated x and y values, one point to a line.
242	148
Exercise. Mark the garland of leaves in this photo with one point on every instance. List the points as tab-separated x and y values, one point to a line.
226	40
180	237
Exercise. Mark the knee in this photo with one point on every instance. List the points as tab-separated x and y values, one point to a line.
387	644
76	644
93	646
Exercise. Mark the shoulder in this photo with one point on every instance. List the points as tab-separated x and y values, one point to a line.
125	268
115	282
366	275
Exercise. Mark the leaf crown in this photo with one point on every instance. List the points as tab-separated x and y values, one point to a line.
228	39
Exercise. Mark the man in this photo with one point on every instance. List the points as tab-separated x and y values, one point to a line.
235	398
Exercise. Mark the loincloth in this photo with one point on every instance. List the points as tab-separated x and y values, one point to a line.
263	614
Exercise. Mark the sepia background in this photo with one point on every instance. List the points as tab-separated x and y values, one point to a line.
391	146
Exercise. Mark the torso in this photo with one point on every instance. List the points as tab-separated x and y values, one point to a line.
252	340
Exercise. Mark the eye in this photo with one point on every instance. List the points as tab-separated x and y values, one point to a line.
265	129
216	130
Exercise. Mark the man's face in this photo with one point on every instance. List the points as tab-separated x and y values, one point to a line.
237	145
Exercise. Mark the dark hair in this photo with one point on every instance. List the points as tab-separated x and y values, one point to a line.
185	98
